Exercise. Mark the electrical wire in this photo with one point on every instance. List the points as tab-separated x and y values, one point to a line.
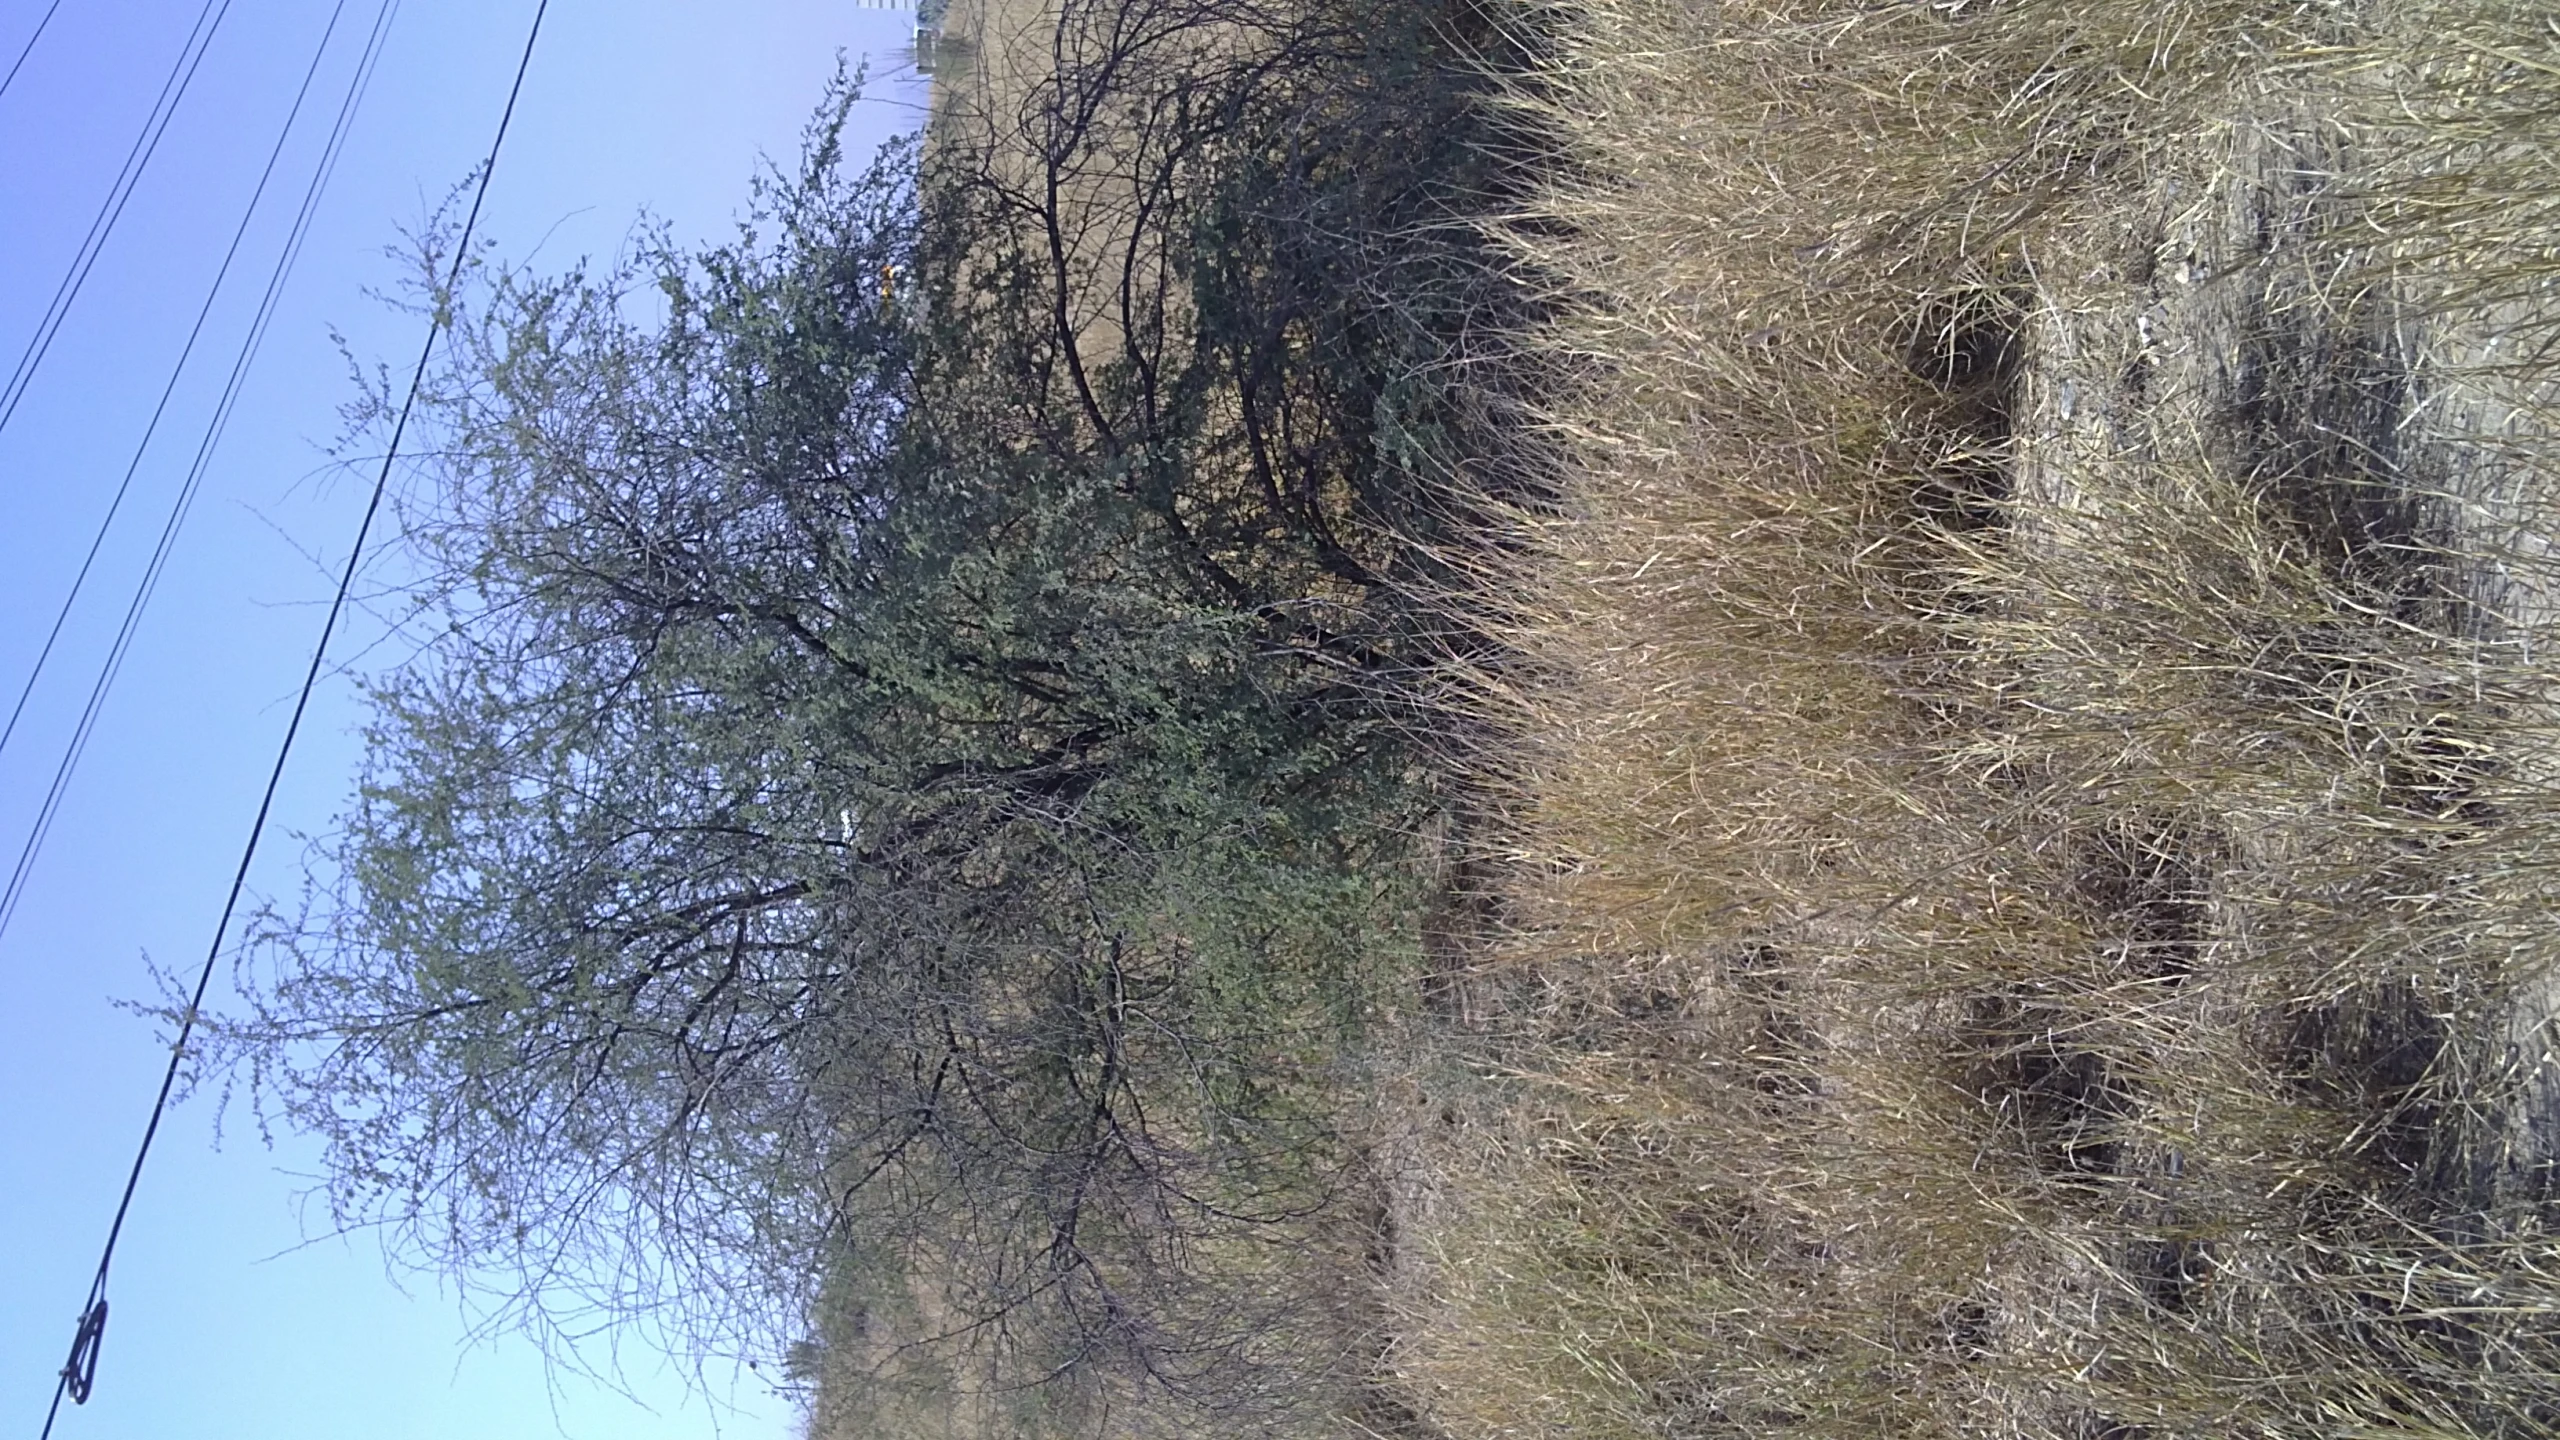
18	711
358	82
80	1371
182	75
29	48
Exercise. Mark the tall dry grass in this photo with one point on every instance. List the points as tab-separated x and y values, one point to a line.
2026	782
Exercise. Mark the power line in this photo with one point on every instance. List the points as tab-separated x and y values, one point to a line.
358	82
29	48
80	1370
80	580
182	74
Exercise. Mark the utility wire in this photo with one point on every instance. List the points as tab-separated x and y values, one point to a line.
29	48
358	82
80	1371
182	74
186	352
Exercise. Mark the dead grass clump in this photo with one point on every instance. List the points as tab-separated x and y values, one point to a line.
2029	771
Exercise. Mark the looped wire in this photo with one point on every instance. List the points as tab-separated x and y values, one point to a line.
81	1370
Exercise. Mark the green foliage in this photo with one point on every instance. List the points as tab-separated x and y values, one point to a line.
855	816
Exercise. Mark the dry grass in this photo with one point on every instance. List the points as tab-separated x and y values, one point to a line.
2029	791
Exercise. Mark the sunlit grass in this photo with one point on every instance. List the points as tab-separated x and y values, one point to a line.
2026	778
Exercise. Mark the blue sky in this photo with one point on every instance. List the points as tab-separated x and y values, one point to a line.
226	1322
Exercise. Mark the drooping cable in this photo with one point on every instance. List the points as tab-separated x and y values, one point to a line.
29	48
184	501
80	1371
172	90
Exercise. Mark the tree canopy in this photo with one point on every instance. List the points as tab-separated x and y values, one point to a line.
892	798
